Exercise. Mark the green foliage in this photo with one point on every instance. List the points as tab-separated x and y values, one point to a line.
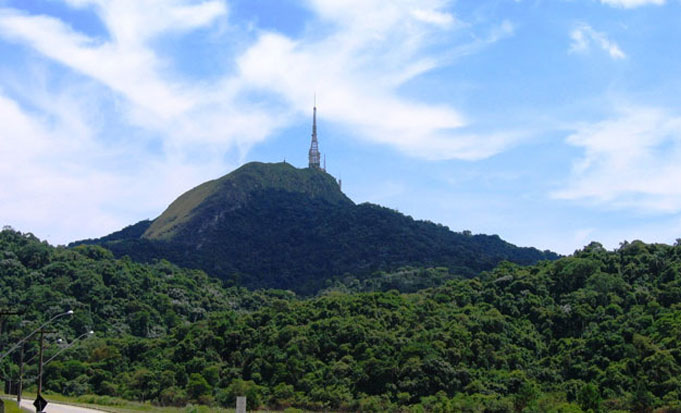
237	388
235	187
526	395
405	280
11	407
275	226
589	398
598	331
197	386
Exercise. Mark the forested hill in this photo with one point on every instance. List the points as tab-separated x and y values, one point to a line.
599	331
276	226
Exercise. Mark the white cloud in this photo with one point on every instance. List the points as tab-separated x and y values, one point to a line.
357	71
129	71
132	22
630	4
584	36
59	180
353	64
126	63
630	161
183	112
434	17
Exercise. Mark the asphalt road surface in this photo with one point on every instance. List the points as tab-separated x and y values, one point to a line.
57	408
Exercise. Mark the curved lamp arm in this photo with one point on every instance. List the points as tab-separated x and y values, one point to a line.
89	333
8	352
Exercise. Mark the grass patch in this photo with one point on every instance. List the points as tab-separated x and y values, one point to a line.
117	405
12	407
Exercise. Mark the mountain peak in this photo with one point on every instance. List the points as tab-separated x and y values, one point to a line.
210	200
277	226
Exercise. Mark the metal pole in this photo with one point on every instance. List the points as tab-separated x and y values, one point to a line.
4	313
40	365
21	377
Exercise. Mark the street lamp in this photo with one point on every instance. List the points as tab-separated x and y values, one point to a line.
64	348
42	364
14	347
59	341
70	312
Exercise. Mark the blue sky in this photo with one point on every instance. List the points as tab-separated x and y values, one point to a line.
549	122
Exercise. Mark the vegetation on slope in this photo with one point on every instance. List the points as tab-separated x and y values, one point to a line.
275	226
207	201
598	331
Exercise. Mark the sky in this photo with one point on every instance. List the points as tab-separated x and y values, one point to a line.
552	123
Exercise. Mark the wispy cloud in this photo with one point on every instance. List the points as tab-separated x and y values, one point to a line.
630	161
61	178
183	112
343	66
352	63
77	167
584	36
630	4
358	71
434	17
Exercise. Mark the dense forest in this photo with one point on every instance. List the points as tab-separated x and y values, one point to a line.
276	226
597	331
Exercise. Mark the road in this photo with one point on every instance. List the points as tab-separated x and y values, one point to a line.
57	408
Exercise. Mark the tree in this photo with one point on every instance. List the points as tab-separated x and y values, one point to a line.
641	399
239	387
589	398
197	386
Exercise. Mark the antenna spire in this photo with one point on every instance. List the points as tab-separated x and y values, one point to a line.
314	154
314	122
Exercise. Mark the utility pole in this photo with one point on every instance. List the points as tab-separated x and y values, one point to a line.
40	363
40	357
21	376
40	403
3	314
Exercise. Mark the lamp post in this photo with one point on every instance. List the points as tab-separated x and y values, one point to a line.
23	340
46	362
4	313
40	362
70	312
68	346
21	377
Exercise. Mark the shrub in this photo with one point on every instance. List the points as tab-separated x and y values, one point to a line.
252	392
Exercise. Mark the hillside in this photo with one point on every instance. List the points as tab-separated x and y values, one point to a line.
113	296
276	226
598	331
200	210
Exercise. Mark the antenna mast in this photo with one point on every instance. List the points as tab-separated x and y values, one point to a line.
314	154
